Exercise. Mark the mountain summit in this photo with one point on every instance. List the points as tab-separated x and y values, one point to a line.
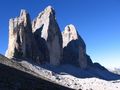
45	27
43	42
39	48
74	47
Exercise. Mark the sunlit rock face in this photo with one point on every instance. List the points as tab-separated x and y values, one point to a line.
21	41
49	31
42	40
20	33
74	51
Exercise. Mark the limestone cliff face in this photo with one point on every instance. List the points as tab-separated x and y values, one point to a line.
20	33
49	31
43	42
21	41
74	47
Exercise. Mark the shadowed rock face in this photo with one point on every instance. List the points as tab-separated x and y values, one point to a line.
43	42
20	34
21	41
74	47
14	76
49	31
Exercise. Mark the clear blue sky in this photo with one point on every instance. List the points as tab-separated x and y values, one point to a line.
97	21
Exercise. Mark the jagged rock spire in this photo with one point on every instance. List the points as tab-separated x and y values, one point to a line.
70	33
19	33
43	18
49	31
74	47
21	41
42	40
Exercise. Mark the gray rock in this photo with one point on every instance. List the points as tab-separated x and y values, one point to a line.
48	30
20	33
74	51
42	41
21	41
14	76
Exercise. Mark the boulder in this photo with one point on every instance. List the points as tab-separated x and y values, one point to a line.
45	27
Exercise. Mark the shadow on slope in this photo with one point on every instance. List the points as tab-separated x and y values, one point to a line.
71	66
91	72
13	76
96	70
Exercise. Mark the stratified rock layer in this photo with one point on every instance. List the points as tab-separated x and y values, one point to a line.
50	34
74	47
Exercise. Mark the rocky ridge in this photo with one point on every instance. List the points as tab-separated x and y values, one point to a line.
33	76
38	46
21	40
16	75
43	42
45	27
74	47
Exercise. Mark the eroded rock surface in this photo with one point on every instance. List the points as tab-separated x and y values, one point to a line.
20	33
21	41
43	42
74	47
49	31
